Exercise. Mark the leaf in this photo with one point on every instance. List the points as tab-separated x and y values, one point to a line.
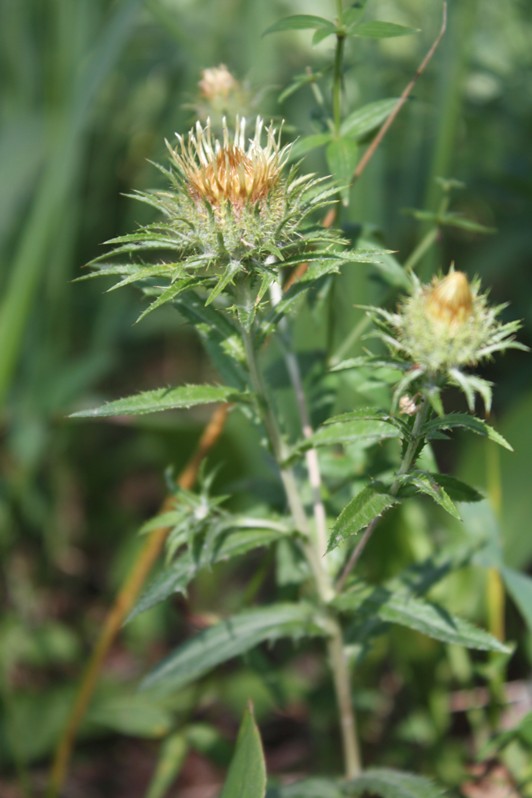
300	22
367	505
309	788
247	771
162	399
465	421
176	577
135	714
424	482
458	491
519	586
308	143
171	758
230	638
405	609
381	30
352	430
389	783
342	158
366	119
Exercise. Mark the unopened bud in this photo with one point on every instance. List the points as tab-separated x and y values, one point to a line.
217	83
450	300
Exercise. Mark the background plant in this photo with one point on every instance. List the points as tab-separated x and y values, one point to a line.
39	477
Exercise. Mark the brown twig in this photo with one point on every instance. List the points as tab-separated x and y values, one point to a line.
123	603
370	152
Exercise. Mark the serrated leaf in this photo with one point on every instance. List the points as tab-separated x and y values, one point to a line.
367	505
309	788
424	482
465	421
405	609
300	22
389	783
342	158
351	430
162	399
366	119
176	577
247	771
229	639
378	29
458	491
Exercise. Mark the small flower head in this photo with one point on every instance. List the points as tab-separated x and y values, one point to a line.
443	328
217	83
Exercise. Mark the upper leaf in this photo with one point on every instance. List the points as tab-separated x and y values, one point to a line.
366	119
367	505
300	22
381	30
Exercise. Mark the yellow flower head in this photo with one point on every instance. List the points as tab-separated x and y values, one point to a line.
231	170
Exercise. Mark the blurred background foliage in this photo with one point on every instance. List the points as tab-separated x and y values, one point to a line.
89	91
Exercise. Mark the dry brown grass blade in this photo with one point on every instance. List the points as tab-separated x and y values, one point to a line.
122	605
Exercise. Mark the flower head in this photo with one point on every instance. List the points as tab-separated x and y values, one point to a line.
232	170
217	83
233	208
443	328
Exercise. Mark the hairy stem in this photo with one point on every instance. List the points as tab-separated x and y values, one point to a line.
405	466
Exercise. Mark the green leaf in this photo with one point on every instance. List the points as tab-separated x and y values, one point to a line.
381	30
465	421
367	505
519	586
424	482
342	158
300	22
366	119
232	637
309	788
457	490
135	714
308	143
383	782
405	609
171	759
176	577
247	771
388	783
352	430
162	399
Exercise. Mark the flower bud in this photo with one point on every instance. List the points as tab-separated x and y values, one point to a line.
450	300
217	83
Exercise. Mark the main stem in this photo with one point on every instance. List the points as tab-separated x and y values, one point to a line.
313	552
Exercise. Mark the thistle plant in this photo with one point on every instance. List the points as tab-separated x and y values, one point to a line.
237	248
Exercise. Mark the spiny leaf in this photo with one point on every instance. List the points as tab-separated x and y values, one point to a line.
405	609
465	421
367	505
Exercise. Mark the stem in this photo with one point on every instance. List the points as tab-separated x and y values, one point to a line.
405	466
313	548
337	81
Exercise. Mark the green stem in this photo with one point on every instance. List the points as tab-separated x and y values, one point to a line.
406	464
337	82
312	548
